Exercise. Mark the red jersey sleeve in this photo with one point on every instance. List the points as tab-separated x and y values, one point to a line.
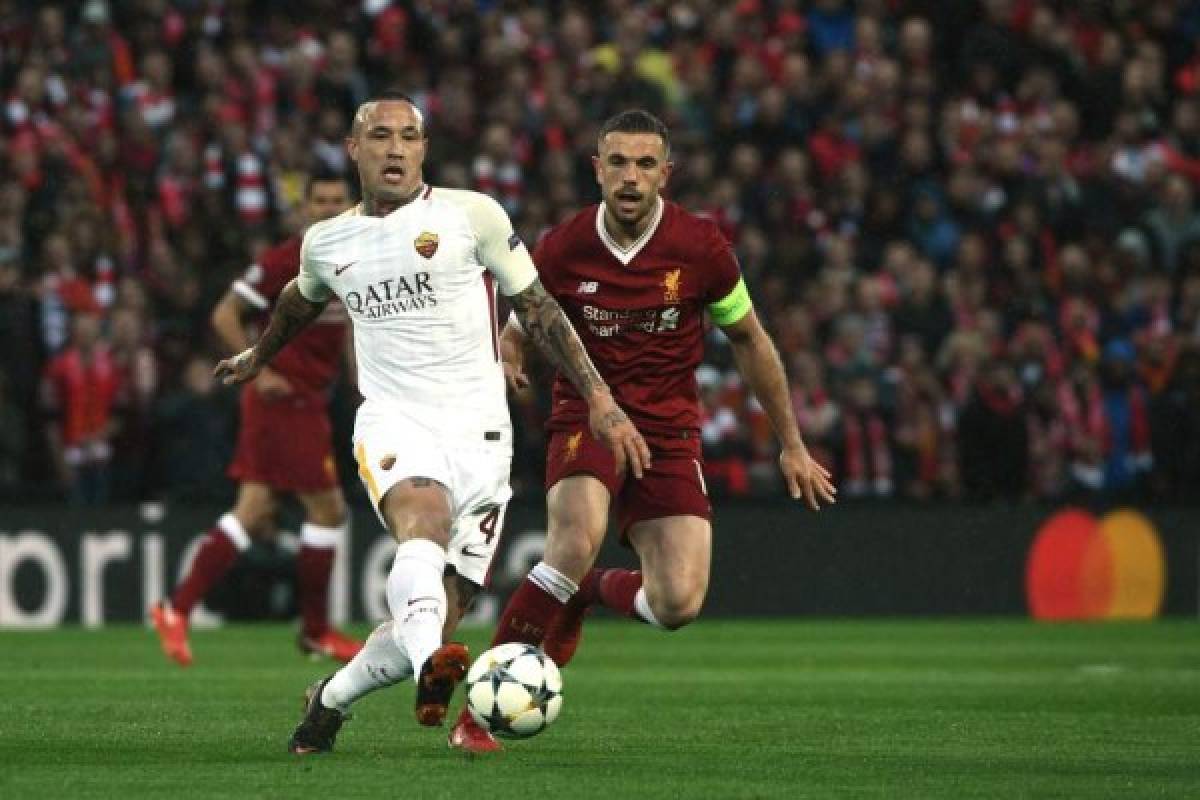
262	282
543	257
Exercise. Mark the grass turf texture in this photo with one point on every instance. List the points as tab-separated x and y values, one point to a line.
721	710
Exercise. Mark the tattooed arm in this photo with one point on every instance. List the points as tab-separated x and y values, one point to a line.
549	329
292	312
547	326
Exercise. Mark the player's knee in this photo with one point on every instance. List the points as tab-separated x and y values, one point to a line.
570	549
327	519
425	524
679	606
676	615
328	512
256	516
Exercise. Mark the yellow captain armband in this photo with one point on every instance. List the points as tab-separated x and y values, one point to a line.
733	306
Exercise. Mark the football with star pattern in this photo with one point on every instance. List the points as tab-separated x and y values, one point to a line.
514	690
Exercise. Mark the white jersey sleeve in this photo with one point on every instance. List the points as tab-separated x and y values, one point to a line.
308	280
499	247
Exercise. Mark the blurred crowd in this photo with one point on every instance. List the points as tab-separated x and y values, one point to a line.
970	225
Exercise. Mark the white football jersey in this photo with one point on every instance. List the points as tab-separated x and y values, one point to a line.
419	286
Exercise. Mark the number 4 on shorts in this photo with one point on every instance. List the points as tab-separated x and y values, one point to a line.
487	525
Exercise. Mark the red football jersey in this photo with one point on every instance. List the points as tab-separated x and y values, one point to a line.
311	360
639	312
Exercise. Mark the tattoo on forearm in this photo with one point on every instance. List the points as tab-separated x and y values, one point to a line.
548	327
612	419
292	312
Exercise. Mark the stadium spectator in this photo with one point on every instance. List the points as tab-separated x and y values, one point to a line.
193	436
137	369
80	388
866	464
13	441
922	426
1124	423
992	436
20	353
1175	222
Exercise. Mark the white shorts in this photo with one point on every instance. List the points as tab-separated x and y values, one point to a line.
474	466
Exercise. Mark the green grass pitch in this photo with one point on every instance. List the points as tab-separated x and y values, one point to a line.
787	709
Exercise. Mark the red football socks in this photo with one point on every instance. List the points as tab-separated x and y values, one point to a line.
618	588
589	589
314	566
214	558
529	611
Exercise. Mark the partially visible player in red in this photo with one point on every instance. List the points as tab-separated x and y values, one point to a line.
635	275
284	446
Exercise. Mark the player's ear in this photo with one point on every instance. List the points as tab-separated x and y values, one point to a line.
668	168
596	166
352	148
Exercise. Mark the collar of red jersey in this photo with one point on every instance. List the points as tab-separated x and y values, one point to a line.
622	254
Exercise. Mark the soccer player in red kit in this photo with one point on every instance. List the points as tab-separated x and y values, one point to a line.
284	445
635	275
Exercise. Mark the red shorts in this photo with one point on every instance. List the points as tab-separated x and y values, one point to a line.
673	486
286	443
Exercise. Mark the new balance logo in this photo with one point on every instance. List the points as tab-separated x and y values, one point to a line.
587	287
340	269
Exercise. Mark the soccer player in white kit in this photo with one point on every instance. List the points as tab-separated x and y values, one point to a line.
414	266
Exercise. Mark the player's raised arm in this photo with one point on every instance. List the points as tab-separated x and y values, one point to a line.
299	303
293	311
226	321
759	363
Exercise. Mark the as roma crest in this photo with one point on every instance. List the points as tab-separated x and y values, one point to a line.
426	244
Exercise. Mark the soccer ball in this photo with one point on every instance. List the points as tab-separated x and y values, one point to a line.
514	690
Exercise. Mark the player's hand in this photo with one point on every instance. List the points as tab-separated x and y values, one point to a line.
610	425
514	371
271	385
237	369
512	359
515	377
806	477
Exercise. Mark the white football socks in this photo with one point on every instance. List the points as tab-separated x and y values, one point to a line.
233	530
641	607
552	582
379	664
321	536
397	649
417	598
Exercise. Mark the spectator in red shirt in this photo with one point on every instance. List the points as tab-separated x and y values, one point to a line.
79	387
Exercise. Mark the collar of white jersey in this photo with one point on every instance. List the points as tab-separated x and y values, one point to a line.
422	194
625	255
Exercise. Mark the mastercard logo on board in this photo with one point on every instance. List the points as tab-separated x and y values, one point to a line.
1084	568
